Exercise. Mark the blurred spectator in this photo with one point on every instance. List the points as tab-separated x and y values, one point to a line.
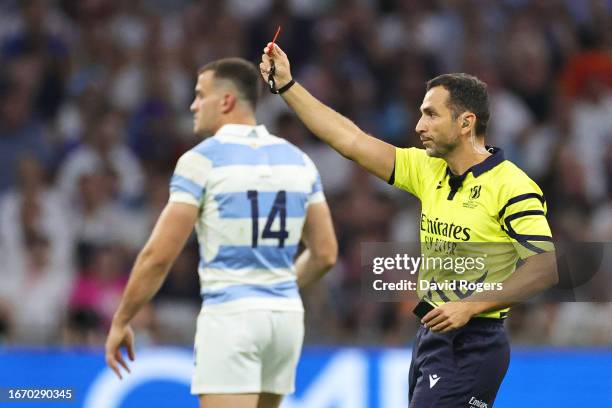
35	47
511	119
528	63
34	209
37	320
99	221
587	78
98	287
400	111
536	144
582	324
20	132
37	248
104	152
82	328
153	128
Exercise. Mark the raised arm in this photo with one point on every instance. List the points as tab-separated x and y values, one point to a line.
339	132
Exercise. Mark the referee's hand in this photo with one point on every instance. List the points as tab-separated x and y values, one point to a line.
449	316
272	54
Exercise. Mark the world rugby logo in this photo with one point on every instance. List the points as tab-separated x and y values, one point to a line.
474	192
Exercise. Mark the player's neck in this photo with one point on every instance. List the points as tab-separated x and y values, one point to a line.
466	156
238	119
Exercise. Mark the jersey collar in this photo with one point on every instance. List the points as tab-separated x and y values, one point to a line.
243	130
497	156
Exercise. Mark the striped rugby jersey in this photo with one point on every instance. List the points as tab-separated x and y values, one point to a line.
252	190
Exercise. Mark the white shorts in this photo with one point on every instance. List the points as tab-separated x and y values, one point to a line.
252	351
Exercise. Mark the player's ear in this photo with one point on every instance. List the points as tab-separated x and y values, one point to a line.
228	102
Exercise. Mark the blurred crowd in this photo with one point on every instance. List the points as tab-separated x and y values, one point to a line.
94	98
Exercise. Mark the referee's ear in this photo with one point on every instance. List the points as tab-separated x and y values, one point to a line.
467	122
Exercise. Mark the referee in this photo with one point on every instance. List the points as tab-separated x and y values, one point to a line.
469	195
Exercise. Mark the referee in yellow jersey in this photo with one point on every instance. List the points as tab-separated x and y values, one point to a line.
470	194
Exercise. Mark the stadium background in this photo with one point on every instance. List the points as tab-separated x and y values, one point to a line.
94	98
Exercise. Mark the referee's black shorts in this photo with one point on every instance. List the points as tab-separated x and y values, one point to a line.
459	369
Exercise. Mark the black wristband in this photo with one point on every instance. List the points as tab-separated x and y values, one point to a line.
286	87
272	82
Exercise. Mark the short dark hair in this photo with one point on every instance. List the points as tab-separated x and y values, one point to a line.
241	73
466	93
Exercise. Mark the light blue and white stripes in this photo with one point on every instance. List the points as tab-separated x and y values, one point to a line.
252	189
286	290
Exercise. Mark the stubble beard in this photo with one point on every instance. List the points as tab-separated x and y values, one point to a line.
441	150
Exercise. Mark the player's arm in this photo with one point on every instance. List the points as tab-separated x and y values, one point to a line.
319	239
149	272
154	261
340	133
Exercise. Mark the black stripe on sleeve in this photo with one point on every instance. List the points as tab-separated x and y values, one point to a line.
523	214
524	239
531	247
521	197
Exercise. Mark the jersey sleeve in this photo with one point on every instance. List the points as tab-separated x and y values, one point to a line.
523	219
316	194
408	172
188	183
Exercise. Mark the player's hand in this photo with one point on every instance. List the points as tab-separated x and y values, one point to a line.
449	316
119	337
282	73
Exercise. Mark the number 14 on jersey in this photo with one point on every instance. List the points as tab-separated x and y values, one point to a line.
279	208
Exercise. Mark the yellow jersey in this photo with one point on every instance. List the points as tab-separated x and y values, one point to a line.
493	213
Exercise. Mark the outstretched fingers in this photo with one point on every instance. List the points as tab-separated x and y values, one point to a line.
111	361
119	358
130	349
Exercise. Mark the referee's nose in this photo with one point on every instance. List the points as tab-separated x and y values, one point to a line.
420	126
